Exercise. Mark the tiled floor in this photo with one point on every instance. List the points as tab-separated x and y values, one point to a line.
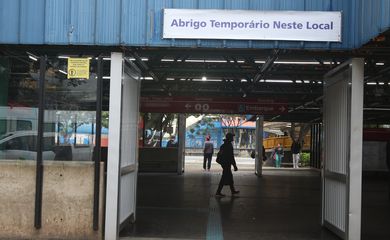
280	205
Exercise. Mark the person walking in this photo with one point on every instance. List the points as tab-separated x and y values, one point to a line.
296	151
277	155
227	160
208	150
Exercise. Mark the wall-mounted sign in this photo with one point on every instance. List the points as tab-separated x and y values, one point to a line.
78	68
212	105
252	25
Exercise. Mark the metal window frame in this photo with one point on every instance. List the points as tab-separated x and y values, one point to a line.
39	146
97	152
39	164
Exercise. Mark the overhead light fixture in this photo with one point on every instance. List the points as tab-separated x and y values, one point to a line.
331	63
279	81
146	78
194	60
63	72
238	61
32	56
297	63
380	64
208	80
204	78
215	61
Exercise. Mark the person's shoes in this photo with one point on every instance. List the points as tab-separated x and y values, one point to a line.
235	192
220	195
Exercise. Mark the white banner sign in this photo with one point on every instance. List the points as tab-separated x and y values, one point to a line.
252	25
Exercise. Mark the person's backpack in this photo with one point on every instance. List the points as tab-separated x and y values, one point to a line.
219	155
253	154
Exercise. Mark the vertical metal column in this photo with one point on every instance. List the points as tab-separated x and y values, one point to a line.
182	144
259	146
312	134
319	145
97	152
39	168
315	146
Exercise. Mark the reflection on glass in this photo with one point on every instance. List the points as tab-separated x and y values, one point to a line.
160	130
18	108
70	112
170	127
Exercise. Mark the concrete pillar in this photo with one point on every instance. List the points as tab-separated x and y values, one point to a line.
259	146
182	143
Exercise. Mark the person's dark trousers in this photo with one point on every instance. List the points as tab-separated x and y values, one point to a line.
389	182
388	164
220	186
207	158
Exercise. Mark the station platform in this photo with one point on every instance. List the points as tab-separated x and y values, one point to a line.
282	204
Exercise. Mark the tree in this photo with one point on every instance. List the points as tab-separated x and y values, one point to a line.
157	124
299	129
234	122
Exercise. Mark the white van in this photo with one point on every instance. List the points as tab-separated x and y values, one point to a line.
21	145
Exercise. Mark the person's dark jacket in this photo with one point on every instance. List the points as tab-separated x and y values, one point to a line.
226	163
388	155
228	155
295	147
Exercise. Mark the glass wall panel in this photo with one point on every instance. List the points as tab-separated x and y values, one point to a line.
70	111
152	129
170	129
160	130
19	77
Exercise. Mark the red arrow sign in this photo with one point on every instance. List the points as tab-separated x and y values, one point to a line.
212	105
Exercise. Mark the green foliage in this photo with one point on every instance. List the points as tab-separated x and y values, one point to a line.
305	159
105	116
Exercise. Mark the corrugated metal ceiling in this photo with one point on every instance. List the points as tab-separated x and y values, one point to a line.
139	22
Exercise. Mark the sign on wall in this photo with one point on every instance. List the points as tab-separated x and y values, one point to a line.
252	25
78	68
212	105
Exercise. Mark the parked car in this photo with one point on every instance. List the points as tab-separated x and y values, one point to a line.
22	145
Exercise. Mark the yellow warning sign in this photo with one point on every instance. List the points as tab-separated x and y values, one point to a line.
78	68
